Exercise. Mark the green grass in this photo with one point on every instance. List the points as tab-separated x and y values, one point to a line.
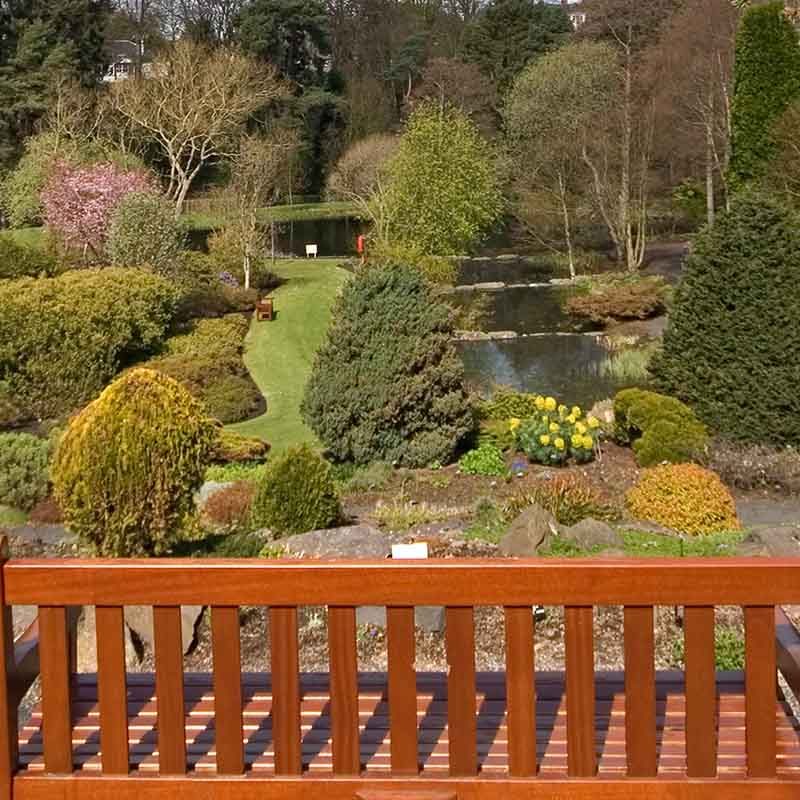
298	212
712	544
32	237
279	354
11	517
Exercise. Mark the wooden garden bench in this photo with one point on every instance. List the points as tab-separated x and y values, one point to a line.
347	735
265	310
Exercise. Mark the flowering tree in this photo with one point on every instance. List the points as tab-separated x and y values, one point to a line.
79	201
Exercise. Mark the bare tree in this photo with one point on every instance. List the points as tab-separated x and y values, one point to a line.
194	107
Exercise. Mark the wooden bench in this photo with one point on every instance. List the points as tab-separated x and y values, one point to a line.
265	310
515	734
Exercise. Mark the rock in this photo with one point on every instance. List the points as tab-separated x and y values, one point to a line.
139	620
590	533
351	541
529	533
779	542
428	618
604	411
87	643
489	286
46	534
207	489
499	335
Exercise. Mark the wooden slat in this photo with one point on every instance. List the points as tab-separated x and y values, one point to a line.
344	690
8	710
520	692
579	649
760	677
640	692
226	646
461	719
448	582
701	692
169	690
56	707
285	691
402	689
111	689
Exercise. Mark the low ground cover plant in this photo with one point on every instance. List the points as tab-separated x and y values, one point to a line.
487	459
620	298
568	499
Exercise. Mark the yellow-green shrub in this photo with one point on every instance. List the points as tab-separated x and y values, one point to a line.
684	497
128	465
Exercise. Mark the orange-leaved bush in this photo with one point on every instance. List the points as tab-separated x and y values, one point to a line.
684	497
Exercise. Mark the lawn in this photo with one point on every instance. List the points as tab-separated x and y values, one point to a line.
279	354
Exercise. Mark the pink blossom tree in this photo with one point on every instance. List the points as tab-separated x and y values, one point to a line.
79	201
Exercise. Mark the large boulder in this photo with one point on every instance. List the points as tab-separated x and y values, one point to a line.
351	541
591	533
530	533
139	619
86	643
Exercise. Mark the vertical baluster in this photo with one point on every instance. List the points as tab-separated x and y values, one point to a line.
169	690
701	692
226	647
581	758
111	689
520	692
402	690
461	698
285	691
760	677
640	692
344	690
56	701
8	710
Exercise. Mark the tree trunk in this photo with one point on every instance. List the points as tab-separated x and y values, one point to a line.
710	199
562	190
625	227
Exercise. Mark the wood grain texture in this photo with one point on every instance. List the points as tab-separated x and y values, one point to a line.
701	694
760	676
226	646
344	690
402	689
286	690
444	582
112	688
520	691
461	720
8	706
579	649
169	689
640	692
56	700
787	639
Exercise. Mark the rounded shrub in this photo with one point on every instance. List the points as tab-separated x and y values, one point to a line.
144	233
506	403
296	494
21	261
487	459
388	384
127	467
24	470
684	497
231	507
660	428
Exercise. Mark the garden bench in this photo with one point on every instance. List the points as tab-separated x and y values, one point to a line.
265	309
346	735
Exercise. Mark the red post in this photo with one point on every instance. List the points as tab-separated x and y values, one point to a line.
8	710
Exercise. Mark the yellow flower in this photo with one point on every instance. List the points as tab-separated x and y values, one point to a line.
539	402
581	428
576	412
545	419
559	443
593	422
550	403
544	439
571	419
513	423
554	428
562	409
577	440
588	442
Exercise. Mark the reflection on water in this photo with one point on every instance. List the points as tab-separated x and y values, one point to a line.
569	367
507	269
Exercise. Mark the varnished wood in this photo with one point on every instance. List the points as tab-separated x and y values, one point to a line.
286	691
640	692
112	689
344	690
787	639
760	671
461	721
169	689
701	699
451	582
402	689
8	705
226	645
56	701
520	692
579	649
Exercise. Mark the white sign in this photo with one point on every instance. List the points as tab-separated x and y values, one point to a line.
415	550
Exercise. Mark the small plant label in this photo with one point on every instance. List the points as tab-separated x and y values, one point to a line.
414	550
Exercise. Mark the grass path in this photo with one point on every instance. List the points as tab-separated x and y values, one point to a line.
279	354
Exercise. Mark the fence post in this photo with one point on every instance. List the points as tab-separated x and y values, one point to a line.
8	710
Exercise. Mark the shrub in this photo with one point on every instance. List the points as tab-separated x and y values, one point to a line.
660	428
46	512
296	494
507	403
755	466
557	433
567	499
21	261
684	497
144	233
387	384
63	339
436	269
627	298
231	507
729	652
24	470
731	343
127	467
499	433
485	460
232	447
